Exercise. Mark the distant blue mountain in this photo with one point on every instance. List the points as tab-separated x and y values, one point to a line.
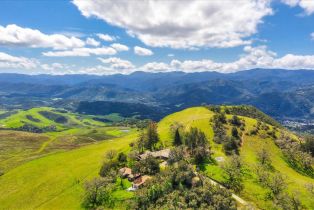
280	93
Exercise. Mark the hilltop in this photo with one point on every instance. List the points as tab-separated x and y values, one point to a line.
57	181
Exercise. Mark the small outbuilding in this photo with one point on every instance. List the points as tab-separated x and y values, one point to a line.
125	172
140	181
161	154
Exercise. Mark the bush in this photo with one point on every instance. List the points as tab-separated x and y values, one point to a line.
277	184
109	168
111	154
263	157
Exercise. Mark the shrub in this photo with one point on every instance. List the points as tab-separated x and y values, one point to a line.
111	154
109	168
263	157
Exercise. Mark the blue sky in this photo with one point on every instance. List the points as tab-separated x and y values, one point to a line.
66	37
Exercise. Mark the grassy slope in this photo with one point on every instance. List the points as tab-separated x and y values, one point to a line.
199	117
55	181
18	119
17	147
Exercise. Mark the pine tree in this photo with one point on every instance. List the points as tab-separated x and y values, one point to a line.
235	133
177	138
152	136
141	142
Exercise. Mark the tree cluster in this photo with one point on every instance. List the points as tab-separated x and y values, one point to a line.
295	155
98	191
178	187
308	145
149	165
277	185
193	143
263	130
234	173
231	144
252	112
148	138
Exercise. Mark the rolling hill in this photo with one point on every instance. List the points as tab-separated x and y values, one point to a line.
29	134
56	181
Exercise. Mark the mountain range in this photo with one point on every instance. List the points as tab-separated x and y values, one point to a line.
283	94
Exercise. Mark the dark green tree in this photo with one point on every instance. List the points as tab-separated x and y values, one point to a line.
152	136
308	145
177	138
235	120
149	165
141	142
122	158
235	133
231	146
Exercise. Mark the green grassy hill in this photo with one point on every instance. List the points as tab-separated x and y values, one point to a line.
72	131
44	117
199	117
56	181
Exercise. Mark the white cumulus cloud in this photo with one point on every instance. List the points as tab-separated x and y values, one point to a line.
155	67
182	23
13	35
119	47
306	5
12	62
106	37
253	57
81	52
117	63
142	51
92	42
